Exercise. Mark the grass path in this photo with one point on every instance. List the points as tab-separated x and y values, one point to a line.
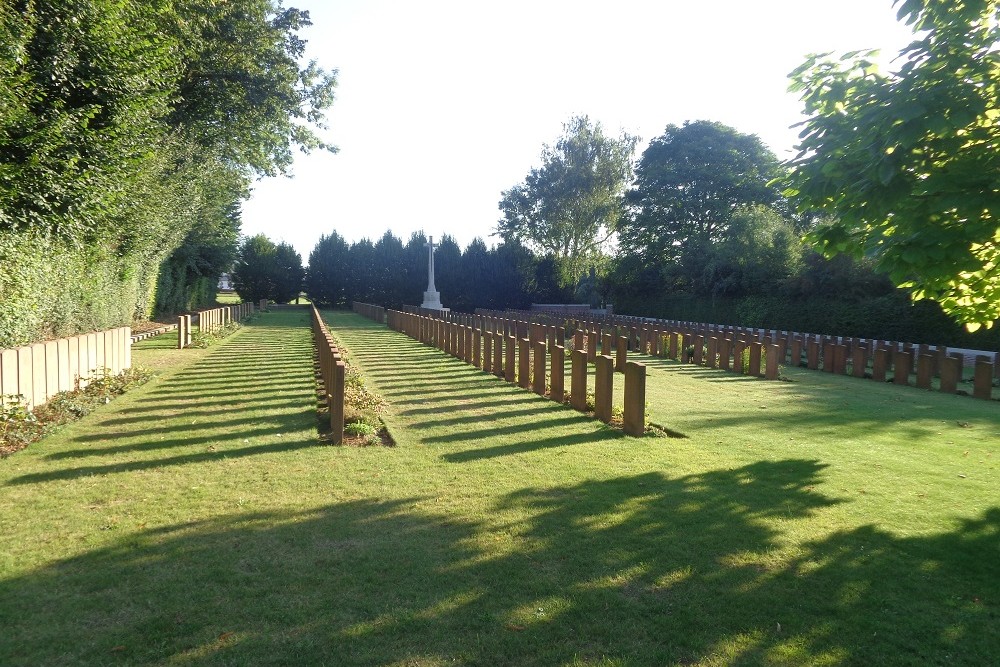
197	521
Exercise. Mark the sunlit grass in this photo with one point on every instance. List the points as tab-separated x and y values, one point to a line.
198	521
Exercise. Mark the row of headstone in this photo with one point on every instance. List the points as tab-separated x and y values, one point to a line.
370	311
868	358
332	373
211	321
33	374
520	352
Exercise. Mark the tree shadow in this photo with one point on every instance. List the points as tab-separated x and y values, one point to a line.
191	417
640	569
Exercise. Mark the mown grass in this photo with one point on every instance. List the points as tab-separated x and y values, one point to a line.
196	521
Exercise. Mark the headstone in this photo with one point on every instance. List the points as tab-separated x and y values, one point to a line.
510	365
557	389
621	354
488	352
901	364
880	364
523	363
498	354
634	409
982	380
578	380
772	361
951	373
812	354
925	368
538	377
591	346
724	353
713	352
603	387
859	360
755	356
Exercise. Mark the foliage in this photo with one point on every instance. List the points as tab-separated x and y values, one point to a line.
129	132
570	206
204	339
389	273
906	162
264	270
689	183
20	427
760	251
326	278
241	91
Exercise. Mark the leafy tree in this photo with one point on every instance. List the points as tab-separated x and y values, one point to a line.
288	275
571	205
761	251
241	90
689	183
363	274
326	278
447	272
267	271
906	163
254	270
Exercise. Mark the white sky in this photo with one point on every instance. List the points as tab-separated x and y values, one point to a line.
444	104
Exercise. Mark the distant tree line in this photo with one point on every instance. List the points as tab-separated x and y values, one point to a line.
392	273
698	228
130	131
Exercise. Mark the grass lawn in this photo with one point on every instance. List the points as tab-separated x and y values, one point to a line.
196	521
226	298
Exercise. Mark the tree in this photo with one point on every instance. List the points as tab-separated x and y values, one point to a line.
761	251
689	183
288	275
254	268
326	278
267	271
906	163
241	90
571	205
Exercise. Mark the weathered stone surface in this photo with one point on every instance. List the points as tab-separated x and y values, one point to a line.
538	360
755	355
902	361
523	363
772	360
812	354
578	380
982	380
621	354
925	368
880	364
951	373
859	360
510	365
603	387
557	390
634	409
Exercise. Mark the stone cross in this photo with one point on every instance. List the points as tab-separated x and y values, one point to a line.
432	298
430	265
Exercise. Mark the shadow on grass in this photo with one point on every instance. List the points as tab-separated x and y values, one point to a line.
259	401
644	569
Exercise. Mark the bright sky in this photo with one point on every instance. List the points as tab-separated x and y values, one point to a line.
444	104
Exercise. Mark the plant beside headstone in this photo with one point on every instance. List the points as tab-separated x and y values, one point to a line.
21	426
